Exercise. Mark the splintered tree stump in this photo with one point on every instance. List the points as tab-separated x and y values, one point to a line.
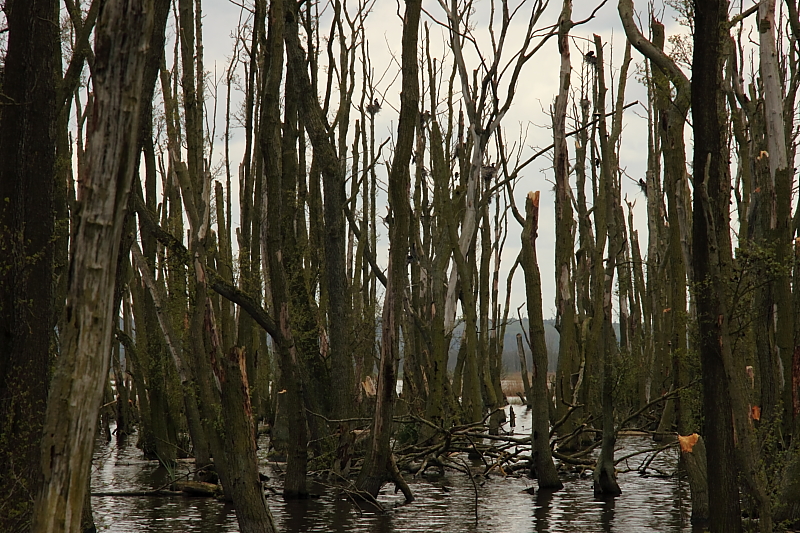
693	459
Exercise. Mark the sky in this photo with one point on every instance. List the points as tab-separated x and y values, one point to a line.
529	113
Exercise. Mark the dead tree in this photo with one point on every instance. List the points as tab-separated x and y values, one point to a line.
603	337
711	255
542	465
27	232
379	465
569	374
122	32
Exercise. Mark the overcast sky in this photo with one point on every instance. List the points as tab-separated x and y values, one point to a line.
529	113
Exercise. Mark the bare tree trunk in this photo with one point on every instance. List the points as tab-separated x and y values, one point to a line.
782	183
27	232
243	482
339	325
332	170
542	465
173	341
569	362
712	190
695	462
416	327
788	499
605	478
523	367
221	374
192	186
670	123
273	239
161	437
159	440
379	465
438	380
487	360
122	33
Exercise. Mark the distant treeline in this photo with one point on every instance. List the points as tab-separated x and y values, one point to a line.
510	357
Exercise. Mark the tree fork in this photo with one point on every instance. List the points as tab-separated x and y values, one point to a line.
605	479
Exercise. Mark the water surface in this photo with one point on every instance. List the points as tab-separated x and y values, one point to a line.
443	503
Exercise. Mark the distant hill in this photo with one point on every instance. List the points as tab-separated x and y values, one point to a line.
510	357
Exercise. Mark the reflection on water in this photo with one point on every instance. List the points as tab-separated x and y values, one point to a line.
443	503
121	468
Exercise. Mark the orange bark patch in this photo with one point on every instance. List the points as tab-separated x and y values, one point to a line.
687	443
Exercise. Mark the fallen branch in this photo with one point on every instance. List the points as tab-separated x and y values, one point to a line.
662	398
215	281
573	460
657	450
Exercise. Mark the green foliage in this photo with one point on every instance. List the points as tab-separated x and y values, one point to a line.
685	10
756	266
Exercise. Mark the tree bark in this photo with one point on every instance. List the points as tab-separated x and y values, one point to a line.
27	179
696	465
379	465
121	36
239	441
569	363
712	190
542	464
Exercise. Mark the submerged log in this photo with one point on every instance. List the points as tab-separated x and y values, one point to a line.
178	488
197	488
128	493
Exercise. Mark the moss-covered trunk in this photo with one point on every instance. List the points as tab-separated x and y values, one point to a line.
27	231
379	465
542	465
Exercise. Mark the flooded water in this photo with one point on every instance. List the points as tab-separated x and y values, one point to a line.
443	503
